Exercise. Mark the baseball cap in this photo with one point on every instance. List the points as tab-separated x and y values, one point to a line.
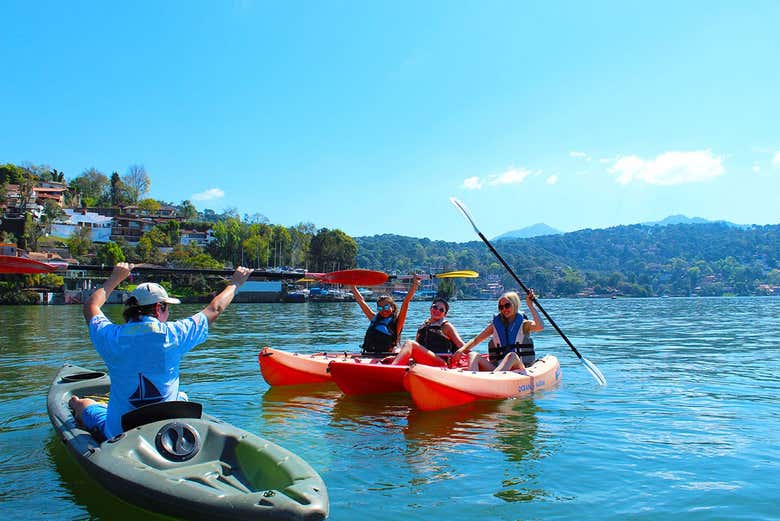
150	293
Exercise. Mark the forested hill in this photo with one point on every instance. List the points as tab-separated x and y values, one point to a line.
636	260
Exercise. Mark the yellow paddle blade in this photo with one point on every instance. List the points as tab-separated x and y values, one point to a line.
465	274
306	279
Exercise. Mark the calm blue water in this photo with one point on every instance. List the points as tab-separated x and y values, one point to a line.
687	426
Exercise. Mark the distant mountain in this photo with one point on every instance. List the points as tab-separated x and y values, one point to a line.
541	229
535	230
682	219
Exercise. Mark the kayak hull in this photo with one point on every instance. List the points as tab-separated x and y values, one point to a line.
284	368
188	466
281	368
366	376
438	388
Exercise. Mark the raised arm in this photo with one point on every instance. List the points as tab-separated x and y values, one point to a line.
100	296
405	305
362	303
536	324
219	303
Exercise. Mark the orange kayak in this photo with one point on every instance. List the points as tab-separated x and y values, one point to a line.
286	368
437	388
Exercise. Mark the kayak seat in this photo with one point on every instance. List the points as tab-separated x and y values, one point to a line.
160	411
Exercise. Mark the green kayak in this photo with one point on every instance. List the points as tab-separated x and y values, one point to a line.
176	460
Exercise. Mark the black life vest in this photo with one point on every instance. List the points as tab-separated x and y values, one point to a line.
431	336
381	336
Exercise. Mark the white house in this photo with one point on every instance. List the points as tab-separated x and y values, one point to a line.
99	225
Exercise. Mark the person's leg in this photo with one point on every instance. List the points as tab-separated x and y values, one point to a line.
90	414
510	362
402	358
78	405
479	363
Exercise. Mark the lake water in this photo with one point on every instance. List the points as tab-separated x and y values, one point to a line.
687	427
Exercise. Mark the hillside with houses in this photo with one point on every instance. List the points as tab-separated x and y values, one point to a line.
95	219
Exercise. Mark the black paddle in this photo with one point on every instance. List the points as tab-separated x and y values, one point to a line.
590	366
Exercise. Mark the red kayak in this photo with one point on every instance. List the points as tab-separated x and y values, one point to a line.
366	376
287	368
358	375
436	387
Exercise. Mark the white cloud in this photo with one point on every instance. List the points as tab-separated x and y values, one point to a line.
575	153
669	168
510	177
208	195
472	183
776	160
756	168
552	179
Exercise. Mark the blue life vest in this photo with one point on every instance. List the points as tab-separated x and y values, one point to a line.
381	335
509	338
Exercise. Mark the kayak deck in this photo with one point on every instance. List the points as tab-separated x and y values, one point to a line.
190	465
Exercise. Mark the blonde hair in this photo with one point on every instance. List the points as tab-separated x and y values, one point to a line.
512	297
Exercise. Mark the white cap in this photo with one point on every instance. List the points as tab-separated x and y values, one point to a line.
150	293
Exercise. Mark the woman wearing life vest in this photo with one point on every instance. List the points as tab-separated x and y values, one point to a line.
436	336
511	346
387	322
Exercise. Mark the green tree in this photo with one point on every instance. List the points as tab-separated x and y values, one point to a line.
149	206
12	174
187	211
33	230
7	237
91	186
79	243
117	191
332	250
301	235
109	254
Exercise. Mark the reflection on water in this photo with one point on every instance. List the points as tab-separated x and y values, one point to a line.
686	428
84	493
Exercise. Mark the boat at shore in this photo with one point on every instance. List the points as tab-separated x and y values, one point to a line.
438	388
175	460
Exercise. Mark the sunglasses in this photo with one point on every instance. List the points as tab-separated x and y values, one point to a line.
440	310
384	307
505	305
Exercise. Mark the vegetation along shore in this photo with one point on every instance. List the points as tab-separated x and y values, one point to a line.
98	219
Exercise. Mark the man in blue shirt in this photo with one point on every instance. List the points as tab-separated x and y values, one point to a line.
143	355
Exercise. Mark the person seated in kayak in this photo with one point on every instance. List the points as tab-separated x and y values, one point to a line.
436	336
387	323
142	355
511	346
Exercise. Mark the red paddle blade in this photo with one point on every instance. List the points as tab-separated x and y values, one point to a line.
20	265
356	277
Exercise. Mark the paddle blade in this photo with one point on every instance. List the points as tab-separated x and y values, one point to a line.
462	207
357	277
306	279
465	274
592	369
23	266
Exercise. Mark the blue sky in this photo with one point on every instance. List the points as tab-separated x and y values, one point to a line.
368	116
